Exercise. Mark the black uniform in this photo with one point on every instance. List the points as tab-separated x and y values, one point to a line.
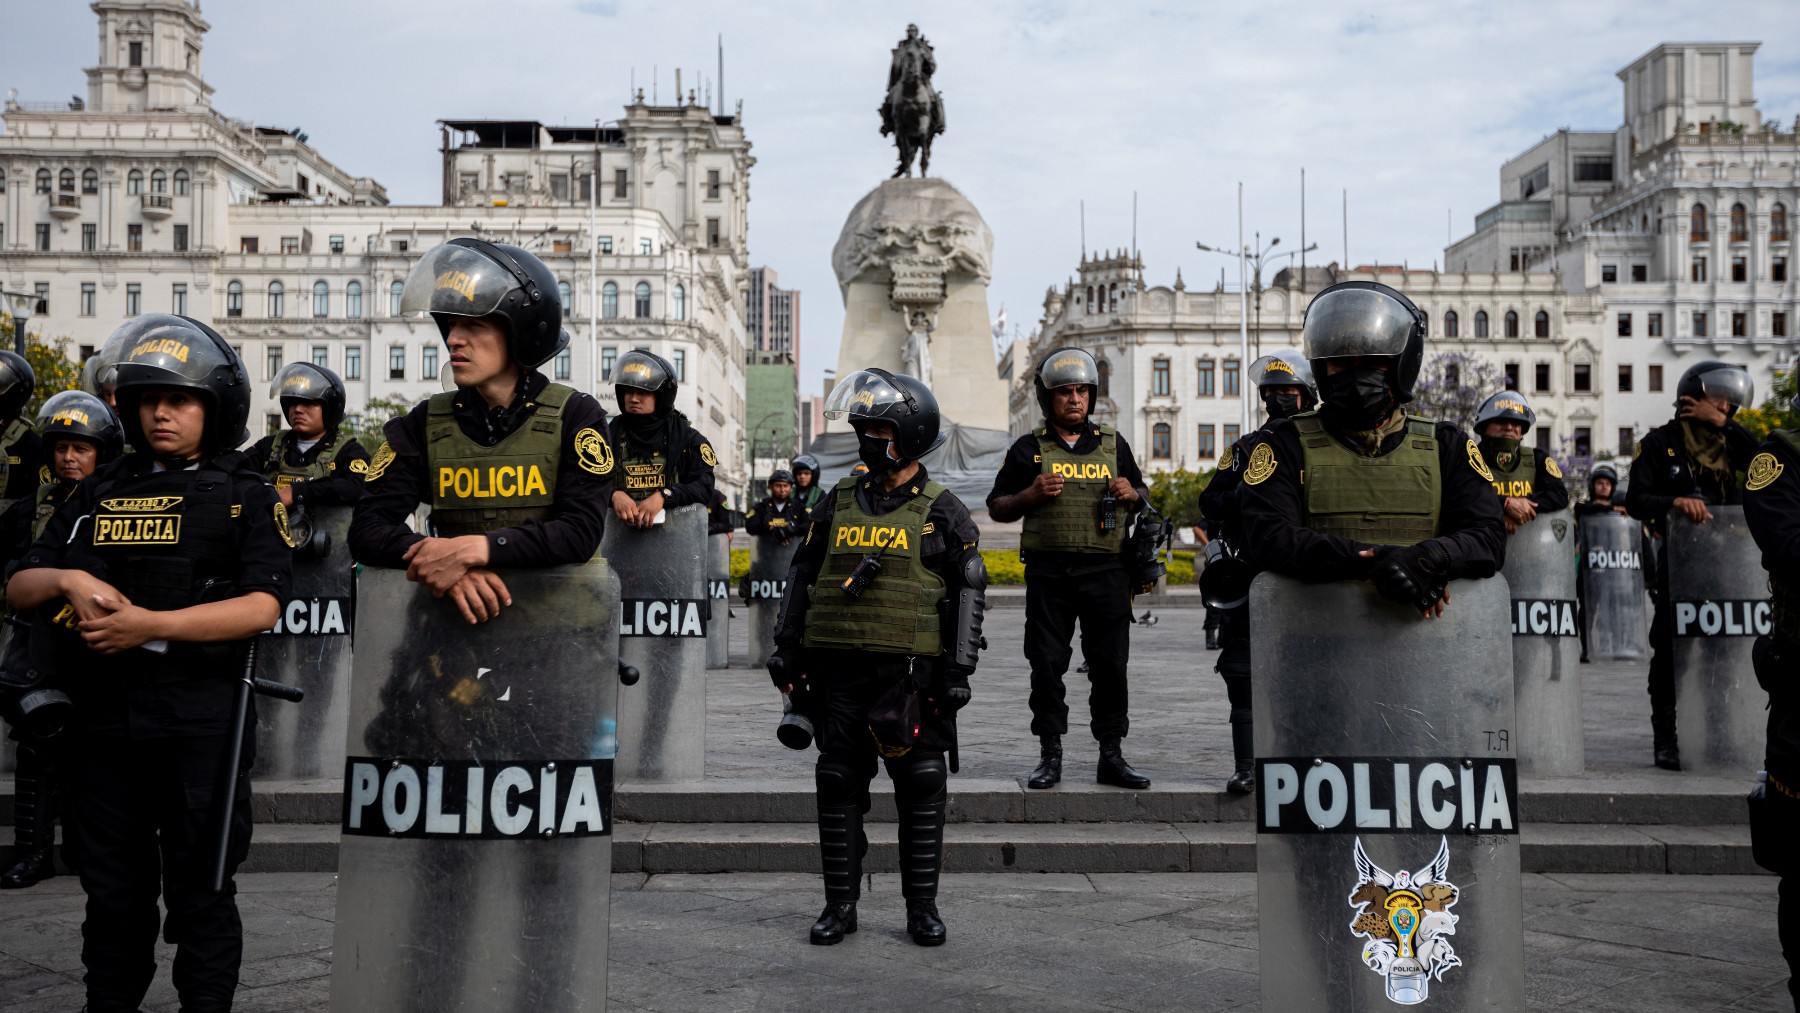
1064	588
1548	490
25	460
718	515
1219	504
690	480
153	728
398	482
348	468
781	522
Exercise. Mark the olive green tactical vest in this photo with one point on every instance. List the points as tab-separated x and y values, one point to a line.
1070	522
284	474
40	518
638	477
1388	500
477	489
12	434
1518	480
898	612
1785	596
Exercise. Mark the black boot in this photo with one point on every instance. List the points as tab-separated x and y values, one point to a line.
1114	770
1662	727
841	849
1243	747
923	923
34	821
1243	782
920	801
1049	769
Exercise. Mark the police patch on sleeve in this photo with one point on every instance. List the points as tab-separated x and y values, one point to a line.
592	453
1550	466
1478	464
281	524
378	465
359	467
43	474
1261	466
1764	470
707	455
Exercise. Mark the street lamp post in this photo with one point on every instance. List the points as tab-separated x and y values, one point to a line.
20	305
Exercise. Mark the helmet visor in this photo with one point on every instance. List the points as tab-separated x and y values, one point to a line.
1283	368
1069	367
1729	383
1352	322
457	281
301	380
640	371
862	394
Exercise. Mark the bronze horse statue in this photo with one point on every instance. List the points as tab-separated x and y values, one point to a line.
913	113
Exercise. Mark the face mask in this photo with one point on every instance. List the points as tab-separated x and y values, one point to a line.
1501	450
873	451
1357	399
1281	405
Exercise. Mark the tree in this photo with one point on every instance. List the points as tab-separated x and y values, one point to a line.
365	427
1452	387
1780	411
1176	494
56	372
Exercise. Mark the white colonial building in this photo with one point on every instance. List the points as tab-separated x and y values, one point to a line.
145	199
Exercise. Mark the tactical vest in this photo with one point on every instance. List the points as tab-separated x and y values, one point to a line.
11	435
639	477
284	474
898	612
1389	500
47	505
1507	481
477	489
1784	595
1070	522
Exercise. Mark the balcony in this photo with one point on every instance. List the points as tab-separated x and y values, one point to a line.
65	205
156	205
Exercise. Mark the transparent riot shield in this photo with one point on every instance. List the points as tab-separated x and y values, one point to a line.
1612	587
309	647
662	631
769	562
1546	645
476	856
718	596
1718	606
1387	849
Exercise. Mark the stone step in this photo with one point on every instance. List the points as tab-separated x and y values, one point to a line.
1057	847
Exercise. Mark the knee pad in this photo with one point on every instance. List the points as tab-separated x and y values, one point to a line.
919	776
838	783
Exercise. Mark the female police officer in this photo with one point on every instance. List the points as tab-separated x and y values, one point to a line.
311	464
516	468
1527	481
656	477
170	560
885	597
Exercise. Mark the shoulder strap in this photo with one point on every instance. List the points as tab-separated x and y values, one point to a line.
14	430
1420	426
1106	430
555	396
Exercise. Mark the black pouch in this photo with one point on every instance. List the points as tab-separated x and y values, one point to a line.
894	720
1774	662
1774	826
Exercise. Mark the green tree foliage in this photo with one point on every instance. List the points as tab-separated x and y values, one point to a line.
366	427
1780	411
1176	494
56	371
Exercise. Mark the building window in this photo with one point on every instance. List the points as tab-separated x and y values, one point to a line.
1640	272
712	233
1203	378
565	364
352	363
1203	444
606	244
641	301
43	181
1452	376
1778	224
90	181
1697	230
1584	441
272	362
396	362
277	300
1542	434
181	238
1105	369
353	300
42	288
1609	273
620	184
136	49
1090	298
1778	269
679	300
1540	324
559	186
1481	323
584	184
1231	437
43	237
134	238
1627	441
395	291
1656	384
428	361
159	182
90	234
608	356
1740	230
1512	376
400	245
1778	324
1593	168
290	244
234	299
321	356
1159	378
646	246
1541	377
181	183
1512	324
178	299
1230	372
1450	324
336	243
1737	325
247	244
65	181
678	359
134	299
566	295
1697	269
712	184
1699	324
134	182
1739	270
609	300
1159	441
321	299
1584	377
1653	325
1624	325
87	299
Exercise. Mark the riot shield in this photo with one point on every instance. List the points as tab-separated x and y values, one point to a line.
476	851
1718	606
662	631
1386	787
1612	587
309	647
769	562
718	597
1546	645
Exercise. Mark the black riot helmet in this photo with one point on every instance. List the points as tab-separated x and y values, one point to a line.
1067	367
18	381
780	475
303	381
1286	367
100	374
76	414
475	278
807	462
641	370
1505	406
1713	378
1366	318
166	352
1601	471
876	395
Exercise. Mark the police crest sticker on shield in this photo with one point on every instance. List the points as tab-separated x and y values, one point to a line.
1406	921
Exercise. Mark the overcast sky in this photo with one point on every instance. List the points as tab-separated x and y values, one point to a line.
1410	104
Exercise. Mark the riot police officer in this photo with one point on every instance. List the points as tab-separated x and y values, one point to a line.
166	563
1528	481
1686	464
1772	510
1339	493
777	517
655	477
518	470
1602	480
79	435
880	627
20	448
312	464
1284	382
1076	484
806	482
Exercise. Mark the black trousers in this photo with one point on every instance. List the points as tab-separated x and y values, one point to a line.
146	810
1234	667
1662	645
1101	603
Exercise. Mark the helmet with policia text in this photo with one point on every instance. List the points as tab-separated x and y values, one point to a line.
100	374
1713	378
1505	406
859	469
1067	367
475	278
76	414
18	381
876	395
167	352
1367	319
646	371
780	475
303	381
1285	367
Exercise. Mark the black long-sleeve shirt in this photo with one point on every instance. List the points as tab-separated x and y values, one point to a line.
1275	538
783	522
1772	510
345	484
25	460
1022	467
1548	490
693	468
1218	501
1662	473
378	532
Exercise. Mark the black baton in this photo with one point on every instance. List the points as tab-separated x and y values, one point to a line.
240	717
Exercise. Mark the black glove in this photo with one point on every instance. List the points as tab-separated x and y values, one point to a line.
1413	574
784	667
956	690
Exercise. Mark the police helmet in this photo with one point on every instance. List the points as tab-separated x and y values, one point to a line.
79	415
1505	406
806	462
1713	378
876	395
780	475
1365	318
1067	367
1284	367
100	374
475	278
1605	471
18	381
171	352
859	469
303	381
642	370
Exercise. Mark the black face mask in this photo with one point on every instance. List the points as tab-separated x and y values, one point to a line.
1502	450
1357	399
873	451
1281	405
